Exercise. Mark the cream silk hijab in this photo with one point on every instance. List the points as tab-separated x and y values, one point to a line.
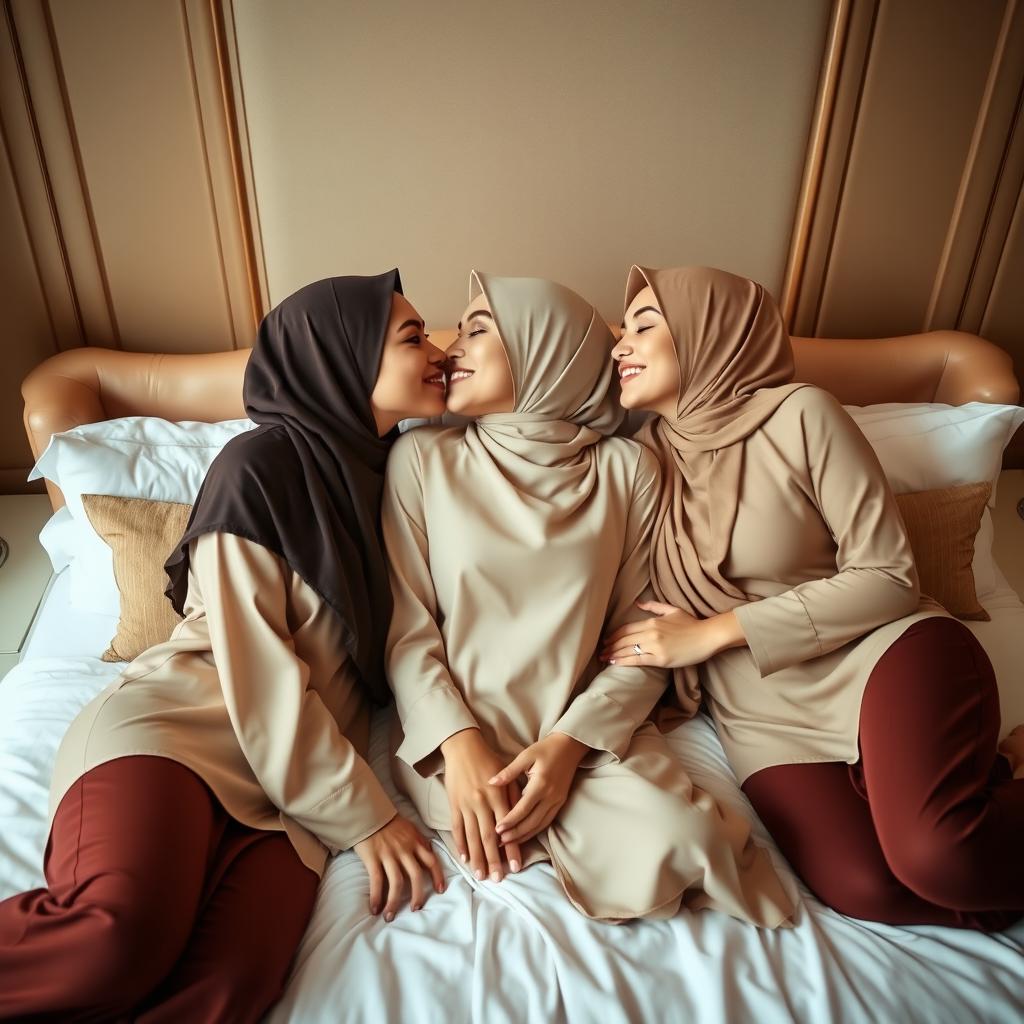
735	370
537	457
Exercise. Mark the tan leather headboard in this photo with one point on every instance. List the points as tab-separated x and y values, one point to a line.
85	385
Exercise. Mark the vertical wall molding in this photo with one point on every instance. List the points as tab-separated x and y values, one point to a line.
844	71
233	93
910	216
821	128
125	186
992	176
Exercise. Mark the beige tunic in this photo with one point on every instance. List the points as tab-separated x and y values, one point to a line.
496	625
254	692
819	539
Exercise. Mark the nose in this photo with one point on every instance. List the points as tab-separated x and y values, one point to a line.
455	352
435	355
622	349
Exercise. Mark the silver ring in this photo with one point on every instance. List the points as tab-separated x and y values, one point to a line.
636	650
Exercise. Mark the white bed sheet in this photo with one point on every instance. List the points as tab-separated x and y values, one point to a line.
517	951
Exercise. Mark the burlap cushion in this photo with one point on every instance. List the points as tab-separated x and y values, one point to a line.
141	534
942	525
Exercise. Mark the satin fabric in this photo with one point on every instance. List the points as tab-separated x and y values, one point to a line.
306	483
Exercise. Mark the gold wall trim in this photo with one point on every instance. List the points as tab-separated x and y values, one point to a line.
234	99
234	114
831	150
976	212
89	270
821	126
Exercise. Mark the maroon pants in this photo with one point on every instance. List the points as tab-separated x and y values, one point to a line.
159	907
927	827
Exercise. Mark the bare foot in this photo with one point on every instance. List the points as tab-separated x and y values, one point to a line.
1013	749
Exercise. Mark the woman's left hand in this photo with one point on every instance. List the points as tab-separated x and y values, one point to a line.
550	765
672	639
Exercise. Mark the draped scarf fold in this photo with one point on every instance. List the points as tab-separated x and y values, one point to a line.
735	370
306	482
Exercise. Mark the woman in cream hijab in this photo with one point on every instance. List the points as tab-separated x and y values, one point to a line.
860	718
513	543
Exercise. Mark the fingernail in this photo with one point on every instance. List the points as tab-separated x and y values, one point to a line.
492	780
415	907
479	875
514	865
500	828
611	661
495	876
442	889
464	858
389	917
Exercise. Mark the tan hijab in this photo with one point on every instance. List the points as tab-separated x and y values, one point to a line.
566	396
735	369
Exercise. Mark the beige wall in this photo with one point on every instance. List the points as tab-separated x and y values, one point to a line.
556	139
170	168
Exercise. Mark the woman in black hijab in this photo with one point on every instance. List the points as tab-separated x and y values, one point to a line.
197	798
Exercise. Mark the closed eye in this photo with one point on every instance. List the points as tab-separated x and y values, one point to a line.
413	340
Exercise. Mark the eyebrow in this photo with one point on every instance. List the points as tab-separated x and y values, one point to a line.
643	309
476	312
418	324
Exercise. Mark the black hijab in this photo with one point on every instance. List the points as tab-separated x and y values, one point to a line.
306	481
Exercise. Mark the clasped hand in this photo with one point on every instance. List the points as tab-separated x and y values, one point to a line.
491	815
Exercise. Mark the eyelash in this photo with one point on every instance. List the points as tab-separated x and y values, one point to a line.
473	334
415	339
640	330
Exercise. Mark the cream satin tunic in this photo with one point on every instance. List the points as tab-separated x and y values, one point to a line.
819	546
254	692
499	613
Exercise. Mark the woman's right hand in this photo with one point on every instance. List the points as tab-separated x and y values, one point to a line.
476	805
394	853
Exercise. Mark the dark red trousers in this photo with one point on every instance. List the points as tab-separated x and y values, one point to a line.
159	907
927	827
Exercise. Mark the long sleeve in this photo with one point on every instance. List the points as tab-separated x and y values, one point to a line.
430	706
876	579
618	699
307	768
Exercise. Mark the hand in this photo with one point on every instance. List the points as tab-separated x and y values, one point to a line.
393	853
550	765
476	805
1012	748
672	639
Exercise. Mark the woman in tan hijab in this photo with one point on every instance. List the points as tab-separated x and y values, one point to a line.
513	542
861	719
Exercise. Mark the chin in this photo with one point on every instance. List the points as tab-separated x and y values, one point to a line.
460	406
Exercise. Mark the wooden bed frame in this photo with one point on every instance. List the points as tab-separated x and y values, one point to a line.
86	385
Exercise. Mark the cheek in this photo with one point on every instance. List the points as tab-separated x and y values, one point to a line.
400	375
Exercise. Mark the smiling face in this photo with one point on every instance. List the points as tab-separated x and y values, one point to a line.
479	377
410	381
646	358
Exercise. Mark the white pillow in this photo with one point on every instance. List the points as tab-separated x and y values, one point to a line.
131	457
925	446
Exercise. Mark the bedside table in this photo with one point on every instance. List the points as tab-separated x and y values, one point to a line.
25	574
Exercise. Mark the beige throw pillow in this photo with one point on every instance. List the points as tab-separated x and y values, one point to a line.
141	535
942	525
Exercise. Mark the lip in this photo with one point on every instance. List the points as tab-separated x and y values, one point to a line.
624	367
437	380
466	374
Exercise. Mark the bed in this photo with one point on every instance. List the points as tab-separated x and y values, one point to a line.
517	951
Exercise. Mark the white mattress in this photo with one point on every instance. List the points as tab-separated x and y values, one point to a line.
517	951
